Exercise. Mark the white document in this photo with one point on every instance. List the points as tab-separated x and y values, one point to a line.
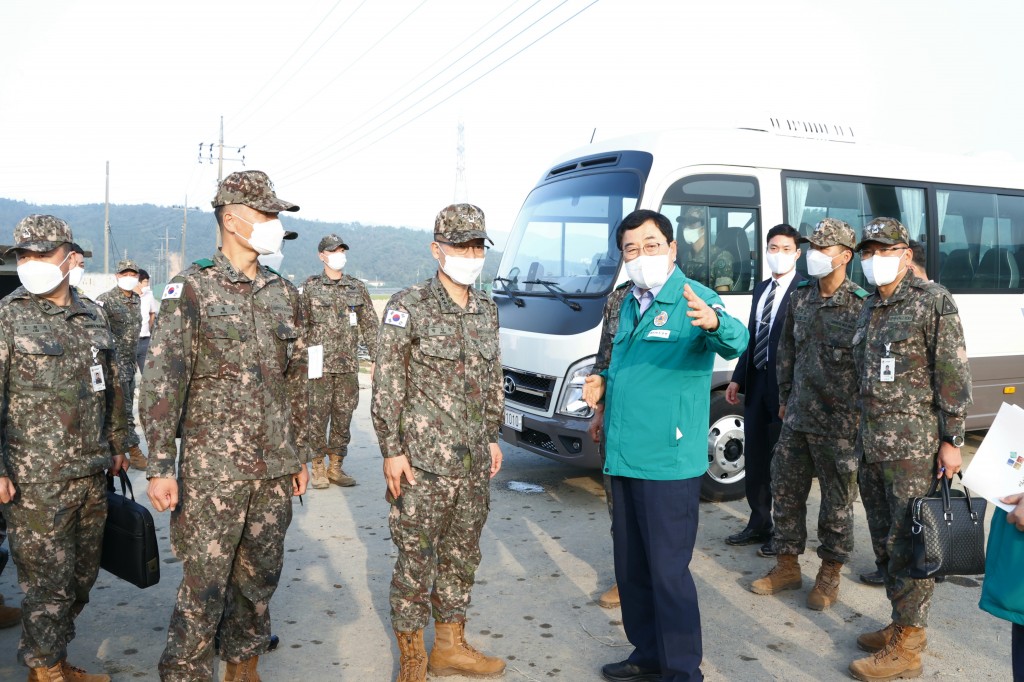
316	362
997	469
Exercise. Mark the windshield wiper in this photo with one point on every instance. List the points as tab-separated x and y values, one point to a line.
556	292
510	290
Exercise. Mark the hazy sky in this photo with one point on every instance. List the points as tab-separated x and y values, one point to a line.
352	106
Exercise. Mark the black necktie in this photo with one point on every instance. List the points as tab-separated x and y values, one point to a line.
764	328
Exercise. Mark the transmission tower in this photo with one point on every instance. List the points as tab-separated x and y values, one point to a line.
461	190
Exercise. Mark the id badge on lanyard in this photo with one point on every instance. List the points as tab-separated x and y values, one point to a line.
96	372
887	366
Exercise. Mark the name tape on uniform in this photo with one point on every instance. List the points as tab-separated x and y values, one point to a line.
396	318
659	333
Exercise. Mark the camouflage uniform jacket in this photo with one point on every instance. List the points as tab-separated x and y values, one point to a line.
327	305
918	327
610	326
437	387
696	266
228	363
814	360
55	426
123	314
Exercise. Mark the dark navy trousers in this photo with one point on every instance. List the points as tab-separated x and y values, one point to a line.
1018	652
761	429
654	527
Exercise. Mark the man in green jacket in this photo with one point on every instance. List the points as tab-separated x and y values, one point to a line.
654	374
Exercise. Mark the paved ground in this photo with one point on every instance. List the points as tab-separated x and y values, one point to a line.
547	556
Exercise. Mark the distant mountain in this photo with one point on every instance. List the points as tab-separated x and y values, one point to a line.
396	256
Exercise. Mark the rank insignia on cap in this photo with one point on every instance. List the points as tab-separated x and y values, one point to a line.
661	319
173	290
396	318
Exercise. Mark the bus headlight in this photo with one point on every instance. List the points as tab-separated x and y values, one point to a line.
570	403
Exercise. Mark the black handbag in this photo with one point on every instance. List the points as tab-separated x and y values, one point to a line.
947	532
129	539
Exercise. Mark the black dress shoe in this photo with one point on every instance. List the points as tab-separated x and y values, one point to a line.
874	579
767	550
624	671
749	536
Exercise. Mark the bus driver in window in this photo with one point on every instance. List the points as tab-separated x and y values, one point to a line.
701	260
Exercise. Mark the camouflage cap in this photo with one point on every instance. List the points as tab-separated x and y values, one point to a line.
832	232
331	242
692	214
253	189
290	234
884	231
460	223
126	264
41	233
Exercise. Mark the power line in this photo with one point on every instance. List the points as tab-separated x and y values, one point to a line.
445	99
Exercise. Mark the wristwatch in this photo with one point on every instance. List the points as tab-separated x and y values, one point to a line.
955	441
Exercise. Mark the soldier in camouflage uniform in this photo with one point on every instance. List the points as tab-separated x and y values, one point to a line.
338	311
437	409
227	367
914	392
122	307
816	375
63	413
700	260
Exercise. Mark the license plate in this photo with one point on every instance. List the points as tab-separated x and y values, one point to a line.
513	420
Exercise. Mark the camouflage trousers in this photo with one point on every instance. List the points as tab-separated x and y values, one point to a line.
128	385
229	536
56	537
887	488
332	400
798	457
436	526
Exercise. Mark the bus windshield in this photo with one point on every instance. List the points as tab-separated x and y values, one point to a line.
564	239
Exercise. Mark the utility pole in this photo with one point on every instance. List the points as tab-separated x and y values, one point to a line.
184	230
106	226
461	190
220	163
165	254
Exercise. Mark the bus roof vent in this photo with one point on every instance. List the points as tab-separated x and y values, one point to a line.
591	162
791	127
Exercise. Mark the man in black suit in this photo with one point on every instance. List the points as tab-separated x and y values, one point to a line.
755	378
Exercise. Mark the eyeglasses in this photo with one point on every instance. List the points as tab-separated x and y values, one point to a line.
650	249
865	254
464	249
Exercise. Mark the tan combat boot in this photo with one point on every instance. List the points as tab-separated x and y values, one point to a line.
412	657
337	475
453	655
826	586
73	674
899	659
320	474
9	615
610	599
136	458
54	673
876	641
785	575
243	671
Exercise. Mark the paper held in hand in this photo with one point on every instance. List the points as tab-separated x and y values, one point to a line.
997	469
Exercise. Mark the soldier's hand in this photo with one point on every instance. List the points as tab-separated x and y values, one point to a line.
949	460
596	427
300	481
782	411
593	390
163	493
6	489
118	463
1016	517
732	393
394	469
700	312
495	459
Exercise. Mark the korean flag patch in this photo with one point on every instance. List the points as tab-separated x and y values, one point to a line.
397	318
173	290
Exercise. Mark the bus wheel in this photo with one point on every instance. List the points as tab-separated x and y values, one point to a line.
724	478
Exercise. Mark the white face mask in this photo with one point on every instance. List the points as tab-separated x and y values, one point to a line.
819	264
127	283
41	278
692	234
75	276
336	261
266	237
461	269
271	260
147	289
648	272
881	270
780	263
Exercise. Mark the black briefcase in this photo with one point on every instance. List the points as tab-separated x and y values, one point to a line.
947	532
129	539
